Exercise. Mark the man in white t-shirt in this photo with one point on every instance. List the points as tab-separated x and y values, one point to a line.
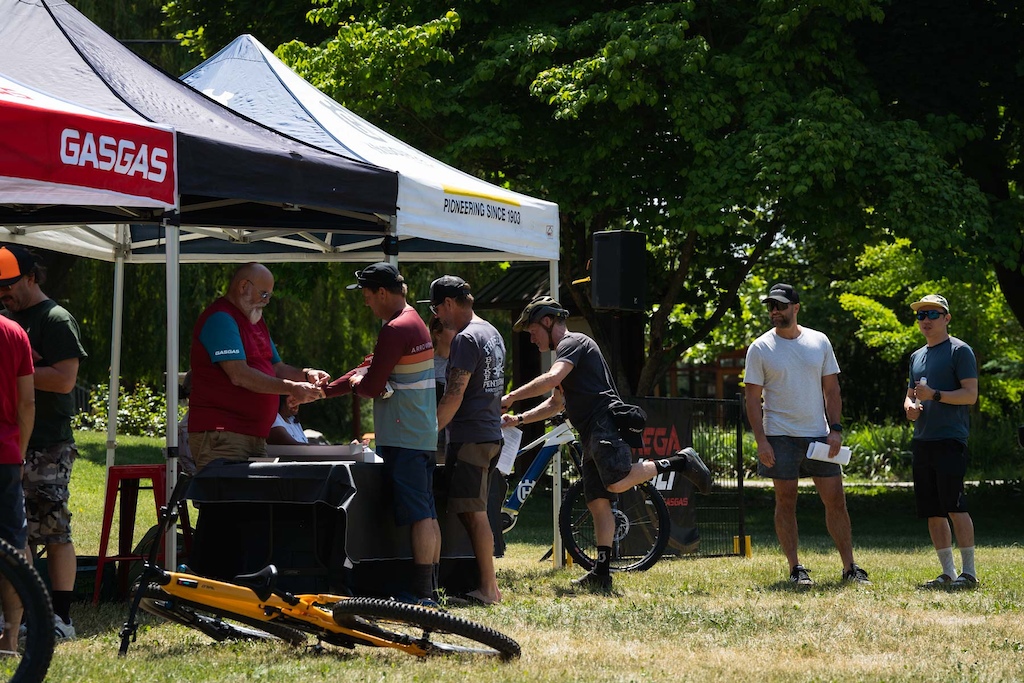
286	429
794	369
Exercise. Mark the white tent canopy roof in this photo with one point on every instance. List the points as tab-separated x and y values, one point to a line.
436	203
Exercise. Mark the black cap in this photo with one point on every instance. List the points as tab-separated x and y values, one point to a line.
15	263
377	275
444	287
782	293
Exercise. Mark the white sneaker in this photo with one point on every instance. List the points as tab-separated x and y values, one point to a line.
63	630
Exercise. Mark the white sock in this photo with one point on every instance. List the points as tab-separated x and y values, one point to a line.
946	558
967	559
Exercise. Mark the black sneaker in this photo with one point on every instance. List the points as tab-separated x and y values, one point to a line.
598	583
964	582
856	575
696	471
799	576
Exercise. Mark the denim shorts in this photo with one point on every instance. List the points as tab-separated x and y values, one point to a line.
791	461
412	475
13	527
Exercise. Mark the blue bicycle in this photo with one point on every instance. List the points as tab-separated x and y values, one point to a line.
642	523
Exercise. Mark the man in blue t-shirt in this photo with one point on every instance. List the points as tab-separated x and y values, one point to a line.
943	384
471	410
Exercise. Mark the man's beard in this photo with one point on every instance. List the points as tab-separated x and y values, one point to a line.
255	315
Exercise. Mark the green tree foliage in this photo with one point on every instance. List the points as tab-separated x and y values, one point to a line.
718	129
957	69
205	27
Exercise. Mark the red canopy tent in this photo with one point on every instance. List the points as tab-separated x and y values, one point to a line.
56	152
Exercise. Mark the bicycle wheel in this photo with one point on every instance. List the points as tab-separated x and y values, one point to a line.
434	632
212	622
30	662
642	528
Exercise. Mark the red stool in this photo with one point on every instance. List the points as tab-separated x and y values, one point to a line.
126	478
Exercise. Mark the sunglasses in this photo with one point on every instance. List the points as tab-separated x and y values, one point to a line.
931	315
264	296
774	305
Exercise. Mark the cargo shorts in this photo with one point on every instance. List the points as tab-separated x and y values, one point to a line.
46	477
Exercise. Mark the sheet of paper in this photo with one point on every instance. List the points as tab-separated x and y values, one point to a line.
507	460
819	451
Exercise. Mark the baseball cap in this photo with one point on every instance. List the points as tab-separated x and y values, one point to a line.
931	300
377	275
444	287
783	293
15	263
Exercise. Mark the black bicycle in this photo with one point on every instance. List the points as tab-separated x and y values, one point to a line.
30	661
642	522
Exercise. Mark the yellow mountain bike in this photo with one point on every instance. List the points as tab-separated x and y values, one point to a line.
251	607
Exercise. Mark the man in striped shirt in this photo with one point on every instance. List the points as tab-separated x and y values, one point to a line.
400	380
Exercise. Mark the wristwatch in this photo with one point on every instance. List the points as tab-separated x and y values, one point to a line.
937	397
836	427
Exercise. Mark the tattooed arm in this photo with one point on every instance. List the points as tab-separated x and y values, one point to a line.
452	399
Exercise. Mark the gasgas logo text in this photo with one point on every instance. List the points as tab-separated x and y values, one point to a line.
661	441
107	153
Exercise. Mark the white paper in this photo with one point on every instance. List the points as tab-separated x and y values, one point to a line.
507	460
819	451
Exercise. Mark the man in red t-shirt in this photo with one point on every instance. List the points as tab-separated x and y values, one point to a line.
17	415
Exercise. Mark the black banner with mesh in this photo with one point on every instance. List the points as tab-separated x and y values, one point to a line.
710	525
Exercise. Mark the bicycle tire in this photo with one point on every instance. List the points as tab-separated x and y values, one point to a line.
32	660
211	621
642	528
434	631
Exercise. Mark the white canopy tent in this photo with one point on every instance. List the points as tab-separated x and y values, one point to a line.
436	202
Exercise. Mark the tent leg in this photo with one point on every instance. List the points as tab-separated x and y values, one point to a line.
547	360
115	358
173	258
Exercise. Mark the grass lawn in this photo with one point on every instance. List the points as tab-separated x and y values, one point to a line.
710	619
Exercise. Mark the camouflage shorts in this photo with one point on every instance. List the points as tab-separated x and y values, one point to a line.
46	477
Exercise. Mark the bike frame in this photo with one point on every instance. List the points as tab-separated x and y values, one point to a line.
236	599
552	440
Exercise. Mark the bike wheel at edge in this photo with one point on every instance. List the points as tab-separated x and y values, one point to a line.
32	660
642	528
434	631
211	621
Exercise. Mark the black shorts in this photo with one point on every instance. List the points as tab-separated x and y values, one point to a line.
606	459
939	469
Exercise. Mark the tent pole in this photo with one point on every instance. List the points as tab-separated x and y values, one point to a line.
390	244
173	246
115	353
547	360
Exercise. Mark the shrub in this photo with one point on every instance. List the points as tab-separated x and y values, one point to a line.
141	411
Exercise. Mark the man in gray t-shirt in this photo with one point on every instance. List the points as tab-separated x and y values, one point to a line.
471	410
794	369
